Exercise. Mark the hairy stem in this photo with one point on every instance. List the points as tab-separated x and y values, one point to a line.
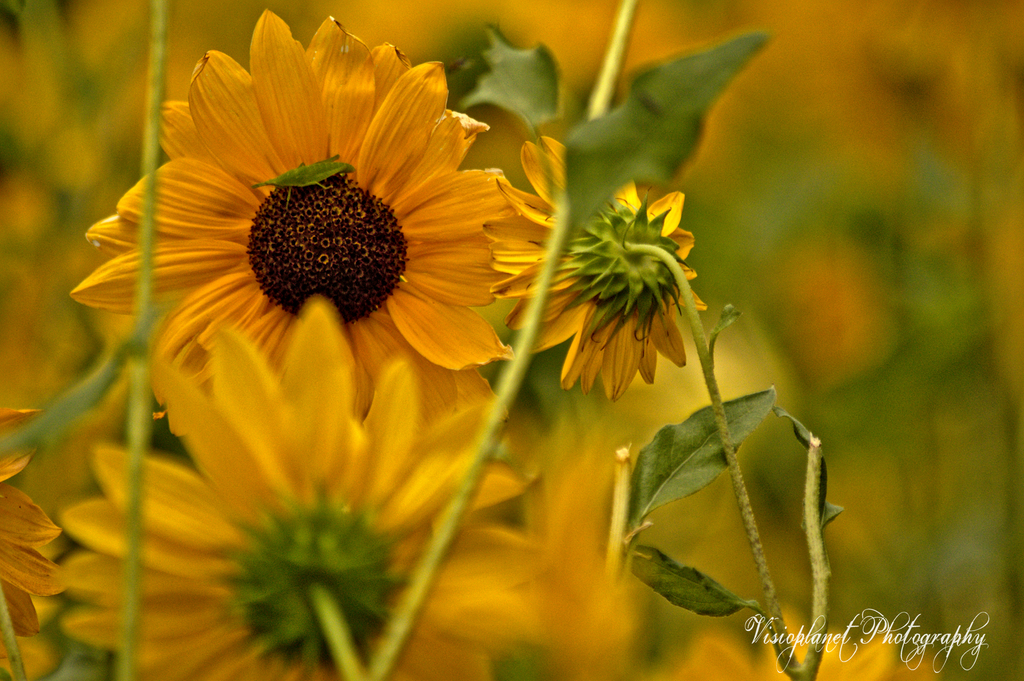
336	631
614	56
707	365
140	414
820	570
400	625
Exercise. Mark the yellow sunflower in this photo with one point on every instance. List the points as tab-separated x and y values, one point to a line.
294	490
396	244
24	527
619	307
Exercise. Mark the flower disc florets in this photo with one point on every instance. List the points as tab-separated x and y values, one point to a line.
617	278
323	546
332	239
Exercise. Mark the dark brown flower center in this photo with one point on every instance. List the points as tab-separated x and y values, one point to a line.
334	240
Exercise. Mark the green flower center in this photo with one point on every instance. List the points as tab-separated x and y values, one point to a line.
619	279
332	239
323	546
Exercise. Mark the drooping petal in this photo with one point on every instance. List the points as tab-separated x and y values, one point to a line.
450	336
287	93
543	168
672	204
621	359
23	521
23	612
28	570
667	339
228	120
344	69
648	359
400	131
529	206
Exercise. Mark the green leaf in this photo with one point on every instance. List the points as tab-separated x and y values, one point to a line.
729	315
304	175
801	432
649	136
685	458
524	82
829	513
684	586
48	426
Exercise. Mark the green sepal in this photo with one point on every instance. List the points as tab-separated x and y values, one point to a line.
304	175
524	82
826	511
657	128
684	586
684	458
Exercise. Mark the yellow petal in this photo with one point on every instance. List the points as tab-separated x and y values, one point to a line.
179	503
195	201
449	141
287	93
449	336
666	337
529	206
177	267
221	453
451	206
23	611
456	272
23	522
508	230
627	195
544	170
344	69
673	204
377	341
318	383
178	134
400	131
28	570
393	424
114	235
228	120
648	360
389	64
621	359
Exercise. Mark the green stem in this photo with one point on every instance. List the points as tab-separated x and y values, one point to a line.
707	365
820	570
400	625
620	509
614	57
140	414
10	639
336	631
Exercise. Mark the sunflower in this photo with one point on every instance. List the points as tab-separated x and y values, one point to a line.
396	244
294	490
619	307
24	527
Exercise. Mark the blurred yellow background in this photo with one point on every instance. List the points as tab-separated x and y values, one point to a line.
858	195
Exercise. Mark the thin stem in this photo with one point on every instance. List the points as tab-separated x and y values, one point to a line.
400	625
11	640
707	365
614	56
620	509
140	415
820	570
339	638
